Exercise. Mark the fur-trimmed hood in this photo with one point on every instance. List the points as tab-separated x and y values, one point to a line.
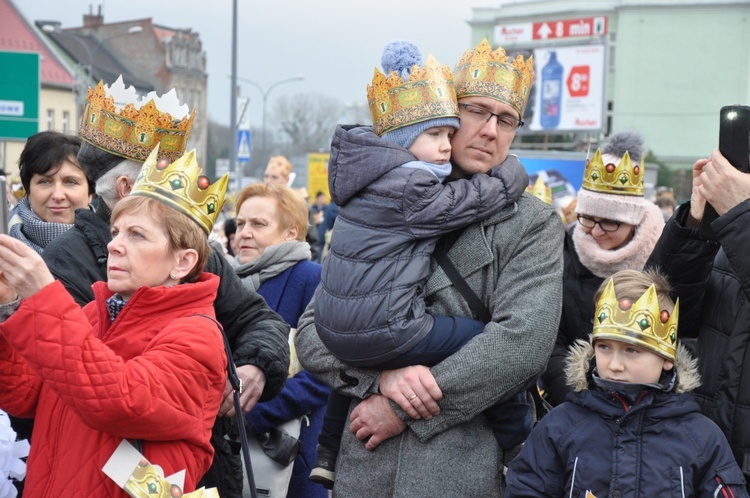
578	365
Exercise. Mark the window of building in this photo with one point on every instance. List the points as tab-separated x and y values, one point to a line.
65	121
50	119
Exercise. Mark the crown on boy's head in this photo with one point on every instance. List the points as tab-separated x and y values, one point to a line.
484	72
180	185
427	94
641	323
117	121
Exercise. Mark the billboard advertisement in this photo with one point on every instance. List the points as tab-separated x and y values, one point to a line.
569	89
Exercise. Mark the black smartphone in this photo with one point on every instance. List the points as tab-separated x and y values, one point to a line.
734	144
3	205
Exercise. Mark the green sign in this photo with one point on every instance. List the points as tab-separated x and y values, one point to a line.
19	95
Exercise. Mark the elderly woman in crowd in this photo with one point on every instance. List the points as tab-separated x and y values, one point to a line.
142	362
617	229
55	187
273	258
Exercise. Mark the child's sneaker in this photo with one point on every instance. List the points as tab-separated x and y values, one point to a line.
324	471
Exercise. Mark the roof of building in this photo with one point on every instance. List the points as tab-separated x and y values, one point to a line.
17	35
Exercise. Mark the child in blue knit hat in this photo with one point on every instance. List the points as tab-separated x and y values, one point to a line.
370	308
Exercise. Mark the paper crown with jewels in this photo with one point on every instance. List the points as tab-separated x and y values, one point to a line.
117	121
427	94
180	185
642	323
623	178
540	190
484	72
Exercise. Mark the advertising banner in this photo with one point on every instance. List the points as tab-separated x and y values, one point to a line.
569	88
317	179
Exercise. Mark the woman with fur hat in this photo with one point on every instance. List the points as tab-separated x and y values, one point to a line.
631	427
617	229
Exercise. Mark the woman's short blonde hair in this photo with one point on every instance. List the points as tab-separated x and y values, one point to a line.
291	208
182	232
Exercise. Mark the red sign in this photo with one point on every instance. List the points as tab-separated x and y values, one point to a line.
570	28
578	81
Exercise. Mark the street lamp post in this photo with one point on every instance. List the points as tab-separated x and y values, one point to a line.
264	94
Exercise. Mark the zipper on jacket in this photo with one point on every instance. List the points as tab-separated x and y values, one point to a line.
573	478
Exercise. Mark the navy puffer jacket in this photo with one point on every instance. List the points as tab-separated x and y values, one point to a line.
598	442
370	307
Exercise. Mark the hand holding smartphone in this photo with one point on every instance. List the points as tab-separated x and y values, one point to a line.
734	145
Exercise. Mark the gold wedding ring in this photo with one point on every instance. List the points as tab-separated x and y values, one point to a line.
412	397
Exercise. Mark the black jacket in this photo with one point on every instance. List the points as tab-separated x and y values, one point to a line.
712	281
256	334
576	322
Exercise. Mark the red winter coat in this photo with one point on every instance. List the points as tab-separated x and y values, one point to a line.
157	373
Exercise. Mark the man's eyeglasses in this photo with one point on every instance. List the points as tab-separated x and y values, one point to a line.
606	225
479	115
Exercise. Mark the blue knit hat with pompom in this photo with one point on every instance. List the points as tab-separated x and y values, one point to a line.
400	56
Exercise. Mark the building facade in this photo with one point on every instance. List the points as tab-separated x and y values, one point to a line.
668	65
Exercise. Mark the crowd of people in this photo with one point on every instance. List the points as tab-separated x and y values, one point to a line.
436	327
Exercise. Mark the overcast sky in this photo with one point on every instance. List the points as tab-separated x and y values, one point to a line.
335	44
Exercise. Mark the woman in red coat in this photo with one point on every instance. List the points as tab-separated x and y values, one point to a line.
138	363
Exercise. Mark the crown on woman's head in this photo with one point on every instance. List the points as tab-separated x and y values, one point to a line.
641	323
180	185
484	72
117	121
427	94
624	178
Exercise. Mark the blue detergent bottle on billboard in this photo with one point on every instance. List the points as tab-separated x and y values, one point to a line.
552	89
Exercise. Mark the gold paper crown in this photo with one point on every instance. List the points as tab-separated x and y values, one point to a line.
625	178
180	185
540	190
487	73
115	121
641	323
428	94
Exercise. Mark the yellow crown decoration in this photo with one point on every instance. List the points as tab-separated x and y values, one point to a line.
484	72
115	120
624	178
180	185
541	191
428	94
641	323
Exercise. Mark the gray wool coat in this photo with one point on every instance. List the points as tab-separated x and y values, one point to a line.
513	262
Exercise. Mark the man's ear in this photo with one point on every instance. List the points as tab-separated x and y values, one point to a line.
668	365
122	187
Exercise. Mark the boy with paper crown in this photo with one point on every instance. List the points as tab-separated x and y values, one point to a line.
631	427
370	309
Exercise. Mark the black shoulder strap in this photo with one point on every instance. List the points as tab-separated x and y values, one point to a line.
441	256
236	383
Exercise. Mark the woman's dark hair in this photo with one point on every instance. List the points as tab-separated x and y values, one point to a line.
45	152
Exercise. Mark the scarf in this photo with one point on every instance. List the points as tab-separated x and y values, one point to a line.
632	256
274	260
33	231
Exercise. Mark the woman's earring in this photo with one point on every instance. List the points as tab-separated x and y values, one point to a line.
171	275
